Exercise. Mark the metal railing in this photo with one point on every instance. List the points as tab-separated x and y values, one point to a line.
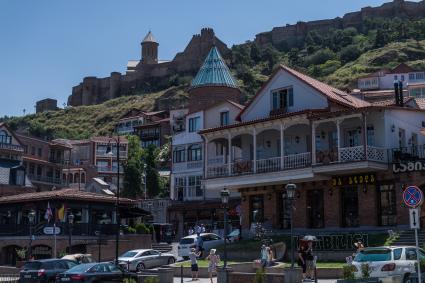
9	146
9	278
78	229
269	165
299	160
194	164
46	179
410	153
102	153
108	169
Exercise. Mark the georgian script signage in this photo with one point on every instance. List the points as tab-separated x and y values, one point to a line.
341	242
408	166
49	230
367	178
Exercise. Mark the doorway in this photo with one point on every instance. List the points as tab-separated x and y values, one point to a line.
350	207
315	208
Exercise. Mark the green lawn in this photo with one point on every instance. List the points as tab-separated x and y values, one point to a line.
204	263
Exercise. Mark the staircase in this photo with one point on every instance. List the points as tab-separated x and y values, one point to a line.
162	247
407	238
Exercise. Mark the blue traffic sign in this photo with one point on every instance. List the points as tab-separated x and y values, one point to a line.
413	196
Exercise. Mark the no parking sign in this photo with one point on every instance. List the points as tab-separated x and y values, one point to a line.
413	196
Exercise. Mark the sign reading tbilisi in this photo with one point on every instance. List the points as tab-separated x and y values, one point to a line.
368	178
408	166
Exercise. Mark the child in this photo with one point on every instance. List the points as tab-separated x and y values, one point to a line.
194	263
212	266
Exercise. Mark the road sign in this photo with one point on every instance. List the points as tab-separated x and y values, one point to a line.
49	230
414	218
413	196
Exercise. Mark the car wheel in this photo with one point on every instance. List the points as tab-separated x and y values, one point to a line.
171	260
406	278
140	266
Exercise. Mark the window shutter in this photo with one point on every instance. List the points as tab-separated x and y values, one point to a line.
290	97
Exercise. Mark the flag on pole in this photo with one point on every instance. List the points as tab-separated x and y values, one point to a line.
48	214
61	213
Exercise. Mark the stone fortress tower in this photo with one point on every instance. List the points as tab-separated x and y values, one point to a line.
148	69
149	49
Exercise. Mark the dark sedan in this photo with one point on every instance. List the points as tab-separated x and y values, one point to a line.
44	271
103	272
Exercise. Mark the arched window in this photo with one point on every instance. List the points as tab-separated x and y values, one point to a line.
5	138
194	152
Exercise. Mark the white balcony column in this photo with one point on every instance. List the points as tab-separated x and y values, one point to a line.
206	158
338	133
313	143
229	156
254	135
282	145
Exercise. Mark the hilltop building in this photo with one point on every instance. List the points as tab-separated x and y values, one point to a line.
149	68
47	104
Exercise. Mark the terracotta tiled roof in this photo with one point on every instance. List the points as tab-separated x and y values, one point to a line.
402	68
109	139
336	95
65	195
420	102
240	106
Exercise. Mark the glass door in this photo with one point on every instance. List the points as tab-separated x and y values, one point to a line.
350	207
315	209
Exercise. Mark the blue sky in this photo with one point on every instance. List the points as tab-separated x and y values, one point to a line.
48	46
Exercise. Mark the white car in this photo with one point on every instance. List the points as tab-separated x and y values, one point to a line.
389	264
138	260
210	240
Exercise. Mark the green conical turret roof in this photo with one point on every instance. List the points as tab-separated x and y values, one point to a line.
214	72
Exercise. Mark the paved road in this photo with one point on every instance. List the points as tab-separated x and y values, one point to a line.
206	280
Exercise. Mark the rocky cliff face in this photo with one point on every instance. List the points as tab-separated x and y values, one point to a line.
97	90
292	34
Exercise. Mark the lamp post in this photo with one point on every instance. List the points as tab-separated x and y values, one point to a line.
31	218
109	151
144	179
70	224
225	195
290	194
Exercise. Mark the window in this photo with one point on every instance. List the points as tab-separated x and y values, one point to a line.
32	150
179	155
224	118
180	186
194	124
420	76
402	78
256	209
194	152
39	151
397	253
5	138
282	98
370	135
412	77
395	77
194	187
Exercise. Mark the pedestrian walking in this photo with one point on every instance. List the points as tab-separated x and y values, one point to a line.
302	258
310	260
263	256
199	244
270	258
193	256
213	262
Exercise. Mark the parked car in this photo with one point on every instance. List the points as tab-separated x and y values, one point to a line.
103	272
210	240
45	270
80	258
389	264
234	236
137	260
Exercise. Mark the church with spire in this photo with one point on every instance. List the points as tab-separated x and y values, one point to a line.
213	101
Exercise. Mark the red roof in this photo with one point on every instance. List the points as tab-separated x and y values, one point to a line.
109	139
64	195
332	93
402	68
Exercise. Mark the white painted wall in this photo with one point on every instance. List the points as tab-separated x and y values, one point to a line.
410	121
212	115
305	97
186	137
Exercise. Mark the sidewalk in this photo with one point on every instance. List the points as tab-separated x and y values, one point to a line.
207	280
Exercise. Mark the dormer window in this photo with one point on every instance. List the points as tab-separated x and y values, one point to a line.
282	98
5	138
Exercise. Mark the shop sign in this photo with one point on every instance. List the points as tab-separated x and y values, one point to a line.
367	178
339	242
51	230
408	166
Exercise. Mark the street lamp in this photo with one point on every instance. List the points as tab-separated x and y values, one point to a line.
144	179
290	195
31	219
70	224
225	195
117	200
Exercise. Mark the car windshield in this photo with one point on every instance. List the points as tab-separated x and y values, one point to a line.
32	265
80	268
129	254
186	241
373	255
234	233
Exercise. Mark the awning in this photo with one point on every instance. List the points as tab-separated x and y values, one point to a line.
132	212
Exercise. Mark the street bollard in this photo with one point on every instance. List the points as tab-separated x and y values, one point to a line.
181	273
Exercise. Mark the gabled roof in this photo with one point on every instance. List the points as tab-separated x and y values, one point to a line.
214	72
331	93
402	68
12	133
149	38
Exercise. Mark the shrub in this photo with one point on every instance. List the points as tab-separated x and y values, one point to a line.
131	230
348	272
366	270
152	280
21	253
141	228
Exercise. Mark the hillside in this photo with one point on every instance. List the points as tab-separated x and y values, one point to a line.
338	57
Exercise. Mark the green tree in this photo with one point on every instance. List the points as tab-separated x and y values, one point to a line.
133	169
153	184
